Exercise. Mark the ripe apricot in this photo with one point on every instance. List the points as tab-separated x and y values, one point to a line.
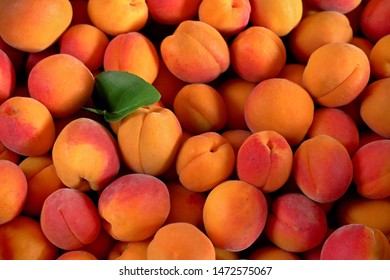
180	241
280	105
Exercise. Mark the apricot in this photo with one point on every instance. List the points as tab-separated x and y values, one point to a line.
6	154
17	57
336	74
371	165
234	215
7	77
336	123
23	239
362	43
85	42
374	107
167	84
85	155
101	246
13	191
26	125
315	161
221	254
200	108
257	53
62	83
173	12
180	241
343	6
234	93
295	223
316	30
356	242
33	58
149	140
133	250
279	16
69	219
236	138
380	58
355	209
34	25
229	17
204	161
282	106
196	52
186	205
42	180
118	17
271	252
77	255
292	72
265	160
132	52
134	206
374	23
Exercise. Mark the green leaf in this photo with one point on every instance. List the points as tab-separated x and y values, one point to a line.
119	93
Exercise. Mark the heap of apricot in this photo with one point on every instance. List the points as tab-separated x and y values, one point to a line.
271	139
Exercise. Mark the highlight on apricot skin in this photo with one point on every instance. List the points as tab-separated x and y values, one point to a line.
34	25
180	241
234	215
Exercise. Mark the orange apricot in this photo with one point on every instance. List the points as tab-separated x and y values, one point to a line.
26	126
34	25
336	74
257	53
282	106
204	161
180	241
279	16
196	52
62	83
118	17
234	215
200	108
